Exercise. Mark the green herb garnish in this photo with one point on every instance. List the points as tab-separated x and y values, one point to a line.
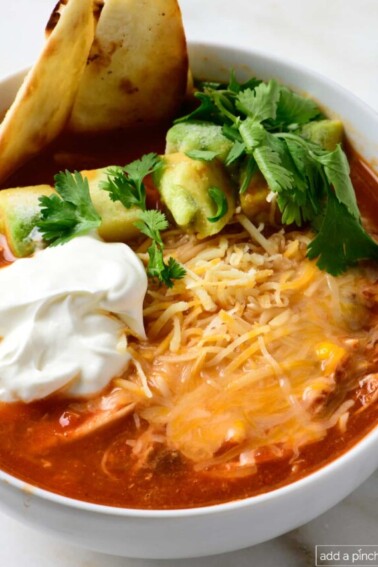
220	199
71	213
335	254
125	184
151	223
311	183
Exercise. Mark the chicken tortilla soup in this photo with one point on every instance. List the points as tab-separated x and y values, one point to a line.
189	289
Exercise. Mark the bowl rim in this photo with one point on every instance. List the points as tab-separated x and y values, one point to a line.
284	63
364	444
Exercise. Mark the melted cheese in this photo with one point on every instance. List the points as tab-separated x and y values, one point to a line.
243	352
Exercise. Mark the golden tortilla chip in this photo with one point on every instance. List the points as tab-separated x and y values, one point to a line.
44	101
137	67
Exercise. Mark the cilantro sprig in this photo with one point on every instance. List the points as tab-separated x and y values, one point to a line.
219	198
125	184
70	213
150	223
312	185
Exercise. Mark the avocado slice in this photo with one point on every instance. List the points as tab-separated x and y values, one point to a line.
117	222
188	136
184	185
327	133
19	211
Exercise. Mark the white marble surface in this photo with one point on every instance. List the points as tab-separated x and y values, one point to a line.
335	37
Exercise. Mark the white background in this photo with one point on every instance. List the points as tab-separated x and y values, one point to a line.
338	38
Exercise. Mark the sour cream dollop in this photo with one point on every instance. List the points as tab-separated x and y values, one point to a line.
63	313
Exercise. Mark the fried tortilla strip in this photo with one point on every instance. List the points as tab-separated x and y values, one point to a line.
137	68
44	101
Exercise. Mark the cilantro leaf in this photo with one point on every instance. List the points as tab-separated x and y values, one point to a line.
71	213
151	223
294	109
206	110
236	87
286	178
220	199
249	170
264	121
311	175
125	184
231	132
341	240
233	84
173	271
137	170
156	266
336	168
237	150
203	155
278	177
164	272
217	100
120	189
261	103
252	133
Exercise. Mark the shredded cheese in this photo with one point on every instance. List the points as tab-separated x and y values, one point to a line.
245	350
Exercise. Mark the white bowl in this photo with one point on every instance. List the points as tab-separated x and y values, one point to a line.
225	527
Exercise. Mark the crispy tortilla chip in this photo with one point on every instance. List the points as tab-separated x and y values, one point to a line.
137	67
44	101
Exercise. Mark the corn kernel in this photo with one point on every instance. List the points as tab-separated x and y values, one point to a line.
330	355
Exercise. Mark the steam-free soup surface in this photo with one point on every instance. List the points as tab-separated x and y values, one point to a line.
101	467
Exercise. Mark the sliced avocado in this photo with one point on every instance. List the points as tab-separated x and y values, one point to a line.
117	222
196	135
184	185
327	133
19	211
